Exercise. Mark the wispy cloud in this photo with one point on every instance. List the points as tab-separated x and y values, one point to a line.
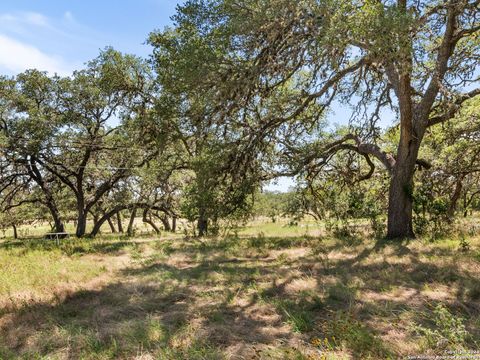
16	56
57	45
36	19
25	18
68	16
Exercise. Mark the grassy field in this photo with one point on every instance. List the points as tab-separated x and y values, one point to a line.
40	229
271	291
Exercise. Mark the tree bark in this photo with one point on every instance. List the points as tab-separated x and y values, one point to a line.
119	222
58	223
36	175
165	222
148	221
112	226
400	204
81	223
131	221
455	197
202	226
15	233
174	224
400	197
106	217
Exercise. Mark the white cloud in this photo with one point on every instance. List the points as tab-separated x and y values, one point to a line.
36	19
16	56
26	18
7	18
54	44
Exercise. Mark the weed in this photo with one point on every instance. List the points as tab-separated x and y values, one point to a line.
448	329
345	331
473	291
300	321
464	245
258	242
342	293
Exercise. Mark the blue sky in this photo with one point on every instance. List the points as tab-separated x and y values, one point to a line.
59	35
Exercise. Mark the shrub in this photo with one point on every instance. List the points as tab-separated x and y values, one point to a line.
448	329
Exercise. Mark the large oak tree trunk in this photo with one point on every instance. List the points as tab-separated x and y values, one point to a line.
165	222
412	129
81	223
58	225
400	196
400	204
96	227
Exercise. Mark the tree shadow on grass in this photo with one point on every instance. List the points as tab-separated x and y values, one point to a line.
207	306
372	271
68	246
160	309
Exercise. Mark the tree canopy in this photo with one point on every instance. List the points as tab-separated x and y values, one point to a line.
236	94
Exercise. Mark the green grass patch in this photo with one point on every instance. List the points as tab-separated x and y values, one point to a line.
40	271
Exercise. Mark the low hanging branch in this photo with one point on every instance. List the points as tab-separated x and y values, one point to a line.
321	157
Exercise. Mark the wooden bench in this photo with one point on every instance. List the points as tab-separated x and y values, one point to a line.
57	236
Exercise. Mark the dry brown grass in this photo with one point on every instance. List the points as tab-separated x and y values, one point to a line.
250	298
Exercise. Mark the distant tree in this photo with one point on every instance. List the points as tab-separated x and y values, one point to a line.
75	128
17	215
273	204
455	155
152	191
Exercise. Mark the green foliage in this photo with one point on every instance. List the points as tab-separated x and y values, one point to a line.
300	321
464	244
274	205
448	330
431	212
250	70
